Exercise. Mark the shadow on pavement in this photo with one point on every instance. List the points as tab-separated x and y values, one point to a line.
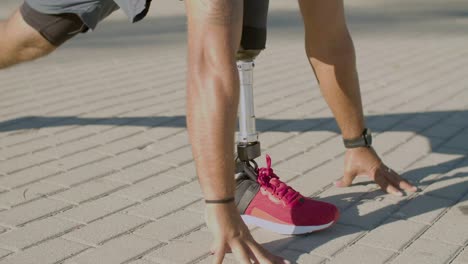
379	123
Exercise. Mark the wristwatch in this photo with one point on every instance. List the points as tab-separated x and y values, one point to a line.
365	140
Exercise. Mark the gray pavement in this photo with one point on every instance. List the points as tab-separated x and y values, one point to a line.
95	165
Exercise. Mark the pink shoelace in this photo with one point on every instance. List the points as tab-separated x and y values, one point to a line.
271	182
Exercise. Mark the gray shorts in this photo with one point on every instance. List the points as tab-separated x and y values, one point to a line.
91	12
59	20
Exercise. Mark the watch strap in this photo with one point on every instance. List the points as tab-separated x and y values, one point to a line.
365	140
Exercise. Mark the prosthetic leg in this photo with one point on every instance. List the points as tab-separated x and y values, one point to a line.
261	197
252	43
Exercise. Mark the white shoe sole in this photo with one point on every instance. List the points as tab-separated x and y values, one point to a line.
282	228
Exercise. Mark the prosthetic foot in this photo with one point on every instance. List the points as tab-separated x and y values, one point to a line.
261	197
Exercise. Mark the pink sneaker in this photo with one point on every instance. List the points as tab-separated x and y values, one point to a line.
273	205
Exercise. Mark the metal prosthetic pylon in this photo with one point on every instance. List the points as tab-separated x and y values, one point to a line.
248	146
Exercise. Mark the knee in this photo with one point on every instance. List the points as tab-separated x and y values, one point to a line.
30	49
19	42
332	50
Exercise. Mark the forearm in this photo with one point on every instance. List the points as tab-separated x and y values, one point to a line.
335	68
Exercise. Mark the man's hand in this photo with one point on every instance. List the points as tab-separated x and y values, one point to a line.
232	235
365	161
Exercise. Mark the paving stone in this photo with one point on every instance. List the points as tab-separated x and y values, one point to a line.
185	172
28	193
319	178
49	252
115	133
409	152
197	207
443	130
423	209
31	211
305	162
283	151
4	253
141	261
118	250
27	176
327	242
68	149
271	138
171	226
149	187
362	254
104	229
75	134
272	241
459	141
462	258
346	197
127	159
35	232
140	171
169	144
370	211
88	191
427	252
80	175
192	188
177	157
162	205
195	245
301	258
451	187
77	160
393	235
124	145
24	162
27	148
388	140
422	176
451	227
93	210
17	137
162	132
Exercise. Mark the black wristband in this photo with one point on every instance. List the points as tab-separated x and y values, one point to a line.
365	140
222	201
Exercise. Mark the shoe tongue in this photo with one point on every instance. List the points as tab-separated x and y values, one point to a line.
268	161
276	182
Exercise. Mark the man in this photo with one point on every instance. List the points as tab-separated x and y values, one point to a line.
214	30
